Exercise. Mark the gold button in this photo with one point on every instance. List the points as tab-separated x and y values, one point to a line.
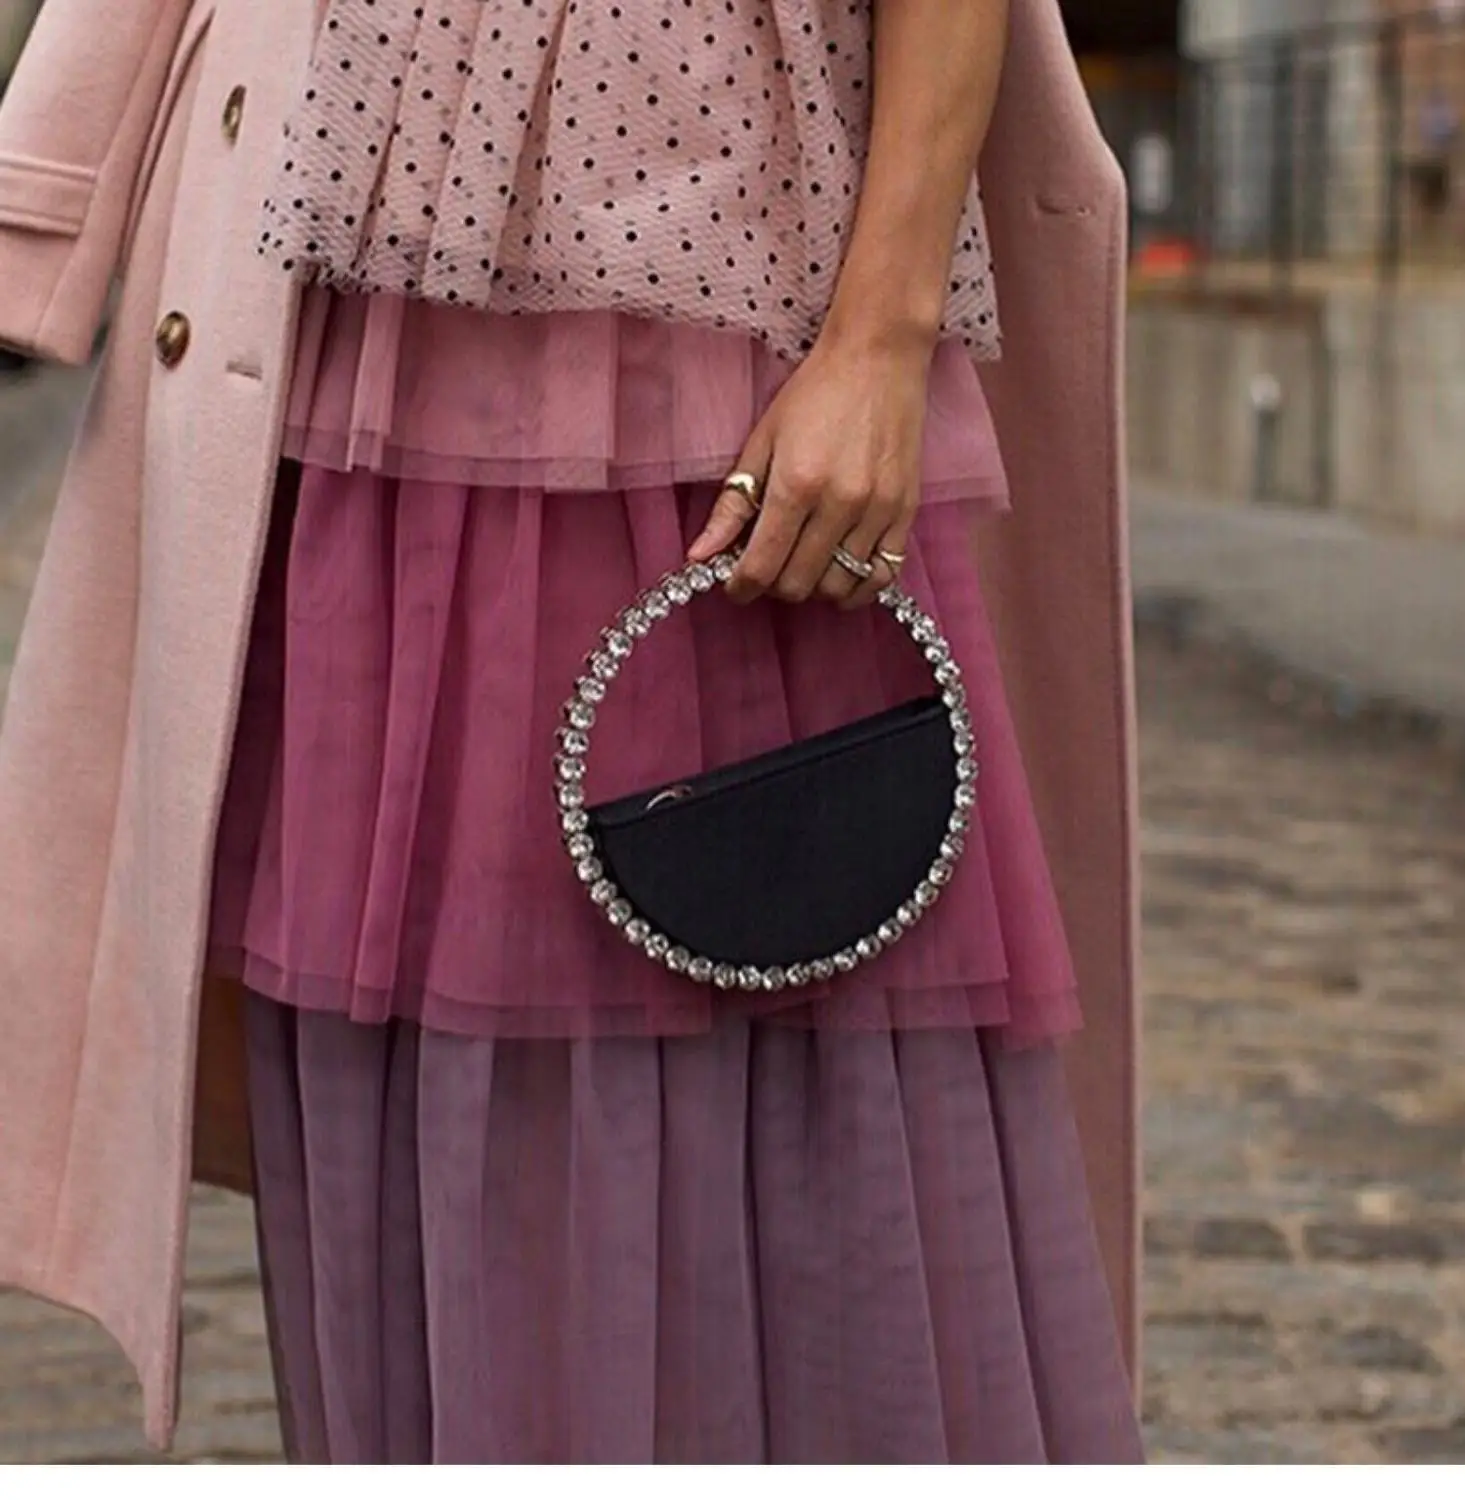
234	113
171	339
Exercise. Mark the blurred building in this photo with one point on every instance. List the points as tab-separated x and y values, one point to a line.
1129	53
1302	336
1287	122
1328	129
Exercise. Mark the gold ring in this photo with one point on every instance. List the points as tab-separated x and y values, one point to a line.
895	561
852	564
747	485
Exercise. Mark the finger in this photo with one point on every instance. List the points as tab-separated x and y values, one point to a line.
732	512
825	528
840	580
786	509
728	521
895	542
840	584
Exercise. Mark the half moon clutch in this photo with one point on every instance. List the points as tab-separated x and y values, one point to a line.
789	868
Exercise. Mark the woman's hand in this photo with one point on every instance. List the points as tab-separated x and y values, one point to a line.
838	459
838	454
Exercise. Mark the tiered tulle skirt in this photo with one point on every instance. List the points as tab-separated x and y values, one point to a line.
472	502
524	1195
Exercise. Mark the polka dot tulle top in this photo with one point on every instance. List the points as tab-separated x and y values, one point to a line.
688	160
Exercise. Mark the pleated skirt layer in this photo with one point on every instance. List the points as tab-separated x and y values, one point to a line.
390	845
756	1245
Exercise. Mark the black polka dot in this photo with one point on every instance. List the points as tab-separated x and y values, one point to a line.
674	159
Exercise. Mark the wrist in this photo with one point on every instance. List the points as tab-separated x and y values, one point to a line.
884	325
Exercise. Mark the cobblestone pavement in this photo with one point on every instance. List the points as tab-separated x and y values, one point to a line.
1305	1075
1306	1112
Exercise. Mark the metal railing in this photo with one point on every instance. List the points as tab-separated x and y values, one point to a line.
1339	147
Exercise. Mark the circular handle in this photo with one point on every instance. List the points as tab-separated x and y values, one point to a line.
617	644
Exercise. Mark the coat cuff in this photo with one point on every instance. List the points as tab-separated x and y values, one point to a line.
48	196
53	292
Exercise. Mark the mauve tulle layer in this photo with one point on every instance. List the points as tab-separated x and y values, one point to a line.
389	845
390	840
754	1246
570	401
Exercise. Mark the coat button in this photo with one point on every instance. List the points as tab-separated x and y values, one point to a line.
171	339
234	113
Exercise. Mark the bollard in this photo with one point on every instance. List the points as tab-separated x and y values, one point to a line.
1266	413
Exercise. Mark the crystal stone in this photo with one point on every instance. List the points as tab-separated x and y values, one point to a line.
574	742
869	947
619	913
941	872
589	870
570	768
774	979
822	969
571	795
798	976
966	795
909	914
638	930
723	567
580	846
846	960
577	820
677	960
603	892
679	591
656	604
750	978
926	894
701	577
725	977
618	643
658	945
891	932
700	969
581	715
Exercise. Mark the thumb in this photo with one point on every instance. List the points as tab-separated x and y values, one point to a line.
733	510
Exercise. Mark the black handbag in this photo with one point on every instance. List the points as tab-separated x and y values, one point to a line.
794	866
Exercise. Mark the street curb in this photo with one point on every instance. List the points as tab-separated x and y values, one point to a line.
1182	620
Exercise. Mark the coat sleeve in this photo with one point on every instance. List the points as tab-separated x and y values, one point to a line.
75	127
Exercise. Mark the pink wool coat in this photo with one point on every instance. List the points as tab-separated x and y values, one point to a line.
141	147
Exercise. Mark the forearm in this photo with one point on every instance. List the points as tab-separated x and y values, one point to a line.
936	69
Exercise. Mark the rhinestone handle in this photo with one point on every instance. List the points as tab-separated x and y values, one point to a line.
617	643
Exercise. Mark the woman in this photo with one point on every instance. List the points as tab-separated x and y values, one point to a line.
523	1197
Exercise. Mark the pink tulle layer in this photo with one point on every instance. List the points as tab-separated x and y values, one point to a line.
570	401
390	841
